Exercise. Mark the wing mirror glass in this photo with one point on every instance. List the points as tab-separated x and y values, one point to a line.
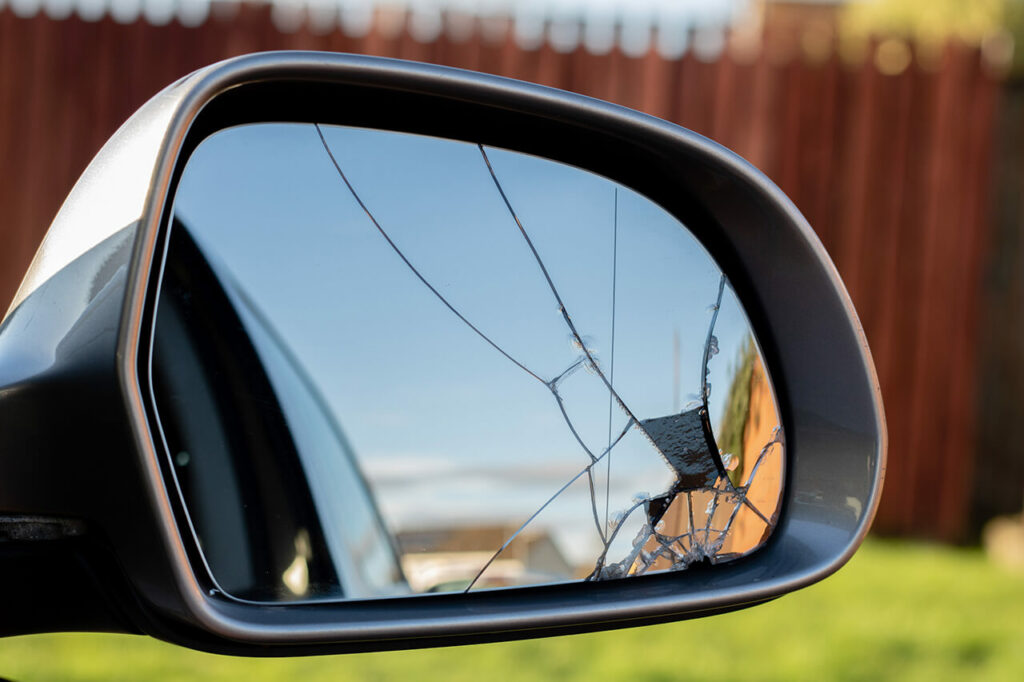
385	363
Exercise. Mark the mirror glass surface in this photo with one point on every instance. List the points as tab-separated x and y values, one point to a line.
387	364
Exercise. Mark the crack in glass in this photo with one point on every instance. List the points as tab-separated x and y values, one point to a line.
688	523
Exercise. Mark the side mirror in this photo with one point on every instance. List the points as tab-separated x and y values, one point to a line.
331	353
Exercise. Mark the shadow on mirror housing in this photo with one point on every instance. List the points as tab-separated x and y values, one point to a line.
184	454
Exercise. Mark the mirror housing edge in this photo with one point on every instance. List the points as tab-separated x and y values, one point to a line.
92	285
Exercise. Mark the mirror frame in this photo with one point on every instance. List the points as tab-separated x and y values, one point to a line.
803	318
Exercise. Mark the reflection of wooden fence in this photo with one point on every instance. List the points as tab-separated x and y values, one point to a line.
893	172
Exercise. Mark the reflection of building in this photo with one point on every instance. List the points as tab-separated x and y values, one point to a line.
447	559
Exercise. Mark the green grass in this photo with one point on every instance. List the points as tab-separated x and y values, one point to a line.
898	611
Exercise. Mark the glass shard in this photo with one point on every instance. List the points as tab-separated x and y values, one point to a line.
680	440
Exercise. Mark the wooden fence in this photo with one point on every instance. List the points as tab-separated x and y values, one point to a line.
893	171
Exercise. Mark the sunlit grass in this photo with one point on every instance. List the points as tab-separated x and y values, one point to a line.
898	611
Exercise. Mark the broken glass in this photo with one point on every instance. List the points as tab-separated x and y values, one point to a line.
539	374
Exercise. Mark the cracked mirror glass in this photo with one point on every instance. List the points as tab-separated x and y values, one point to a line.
387	364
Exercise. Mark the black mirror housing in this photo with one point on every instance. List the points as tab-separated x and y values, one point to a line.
90	527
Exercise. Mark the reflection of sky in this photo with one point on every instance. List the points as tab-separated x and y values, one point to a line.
445	427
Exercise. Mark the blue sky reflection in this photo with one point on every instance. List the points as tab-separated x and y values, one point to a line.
448	430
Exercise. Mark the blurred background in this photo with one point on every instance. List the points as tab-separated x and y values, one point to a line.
896	126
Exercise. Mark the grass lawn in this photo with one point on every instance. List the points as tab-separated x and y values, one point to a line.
898	611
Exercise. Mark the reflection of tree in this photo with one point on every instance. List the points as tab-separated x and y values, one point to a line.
730	434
